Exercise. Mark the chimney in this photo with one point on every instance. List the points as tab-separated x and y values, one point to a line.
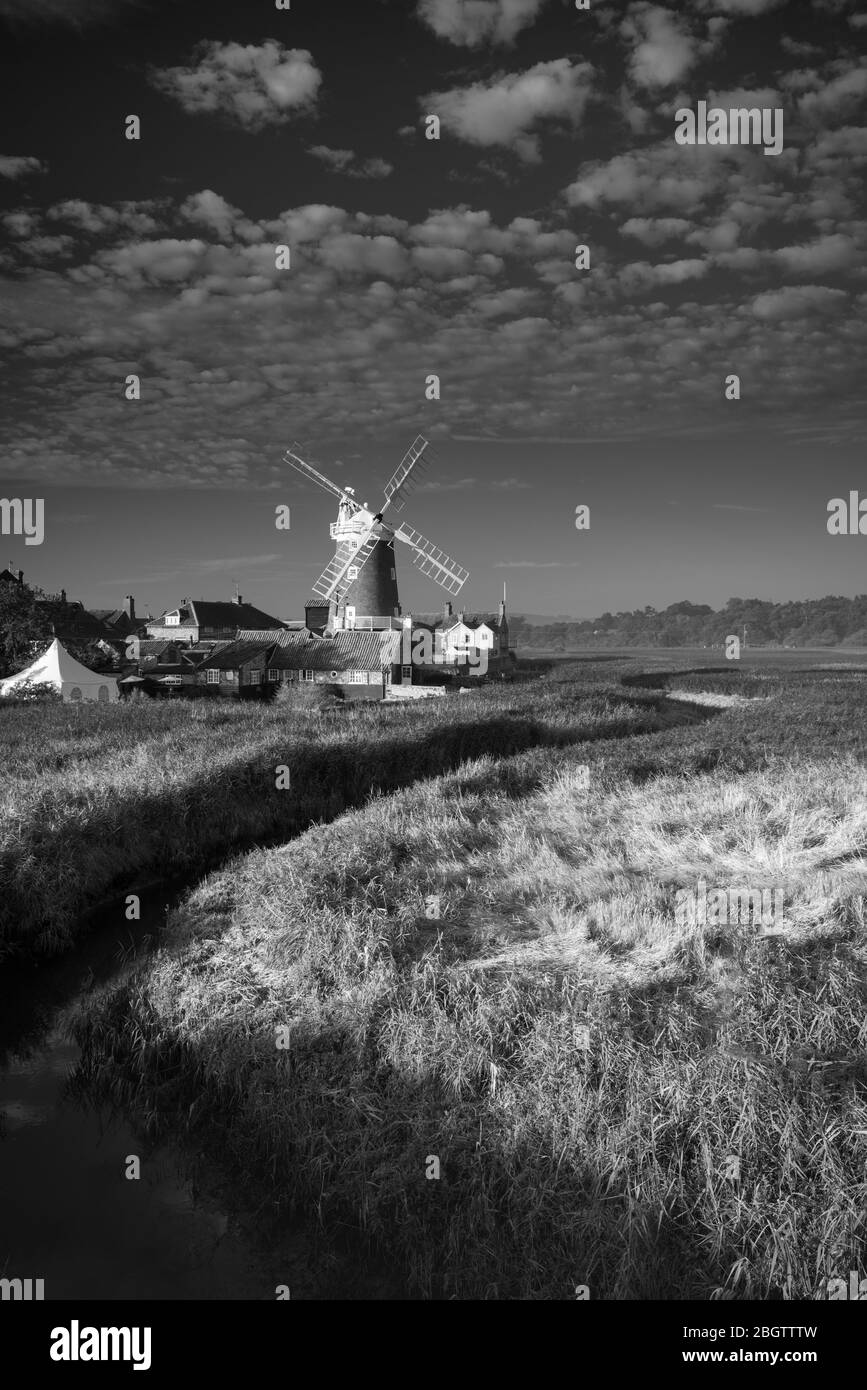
130	608
62	595
447	610
239	598
20	576
461	616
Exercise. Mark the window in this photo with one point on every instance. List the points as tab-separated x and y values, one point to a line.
406	673
255	677
273	673
307	675
75	693
231	675
173	619
213	675
102	693
352	572
358	678
171	680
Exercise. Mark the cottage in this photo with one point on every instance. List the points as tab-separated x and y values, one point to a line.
472	639
234	668
197	620
363	664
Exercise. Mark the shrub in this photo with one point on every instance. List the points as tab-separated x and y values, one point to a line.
31	692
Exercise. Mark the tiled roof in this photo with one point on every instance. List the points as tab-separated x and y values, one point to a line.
233	655
268	634
345	651
236	615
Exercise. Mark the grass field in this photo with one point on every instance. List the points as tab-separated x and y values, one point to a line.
615	1097
92	796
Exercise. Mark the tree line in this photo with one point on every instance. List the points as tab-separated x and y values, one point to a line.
823	622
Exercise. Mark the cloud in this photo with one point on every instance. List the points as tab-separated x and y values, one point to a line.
20	223
821	257
470	23
348	162
639	275
652	231
837	96
99	219
504	110
255	86
663	51
659	177
796	301
16	166
234	354
743	8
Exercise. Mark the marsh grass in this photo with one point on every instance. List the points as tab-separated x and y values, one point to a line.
92	796
461	1038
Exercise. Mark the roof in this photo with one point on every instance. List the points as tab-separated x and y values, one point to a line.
116	617
235	654
344	651
204	613
470	620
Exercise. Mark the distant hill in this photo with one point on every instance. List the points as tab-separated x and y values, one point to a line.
824	622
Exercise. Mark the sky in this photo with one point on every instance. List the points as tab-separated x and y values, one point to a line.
560	386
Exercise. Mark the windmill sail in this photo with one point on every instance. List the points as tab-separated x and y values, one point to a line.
433	561
308	471
400	484
353	551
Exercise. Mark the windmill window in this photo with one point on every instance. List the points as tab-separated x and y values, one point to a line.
353	572
406	672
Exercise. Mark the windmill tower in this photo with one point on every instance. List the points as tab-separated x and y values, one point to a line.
358	588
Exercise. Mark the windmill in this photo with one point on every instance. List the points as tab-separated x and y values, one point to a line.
361	579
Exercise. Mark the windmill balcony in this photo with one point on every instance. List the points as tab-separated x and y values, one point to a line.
355	526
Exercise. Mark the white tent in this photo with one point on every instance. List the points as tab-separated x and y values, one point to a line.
56	667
